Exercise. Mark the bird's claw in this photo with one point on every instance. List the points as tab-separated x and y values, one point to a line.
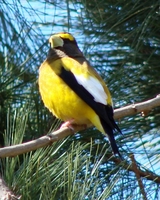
68	124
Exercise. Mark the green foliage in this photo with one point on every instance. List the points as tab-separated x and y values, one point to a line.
121	40
55	172
128	34
21	52
123	45
67	169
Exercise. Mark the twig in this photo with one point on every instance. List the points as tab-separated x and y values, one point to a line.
136	170
127	166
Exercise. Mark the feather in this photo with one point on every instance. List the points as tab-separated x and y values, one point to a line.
73	91
94	87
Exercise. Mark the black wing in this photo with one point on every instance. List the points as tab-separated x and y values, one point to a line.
105	112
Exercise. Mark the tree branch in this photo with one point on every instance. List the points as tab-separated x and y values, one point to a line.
143	107
6	193
127	166
61	133
137	173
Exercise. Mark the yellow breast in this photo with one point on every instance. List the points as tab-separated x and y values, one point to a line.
60	99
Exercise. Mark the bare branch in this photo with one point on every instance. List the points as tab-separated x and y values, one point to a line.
143	107
61	133
127	166
137	173
38	143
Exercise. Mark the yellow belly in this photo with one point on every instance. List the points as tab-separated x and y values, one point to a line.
62	101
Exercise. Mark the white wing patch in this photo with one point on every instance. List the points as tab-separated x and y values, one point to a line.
94	87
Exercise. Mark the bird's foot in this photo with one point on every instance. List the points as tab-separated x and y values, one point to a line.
68	124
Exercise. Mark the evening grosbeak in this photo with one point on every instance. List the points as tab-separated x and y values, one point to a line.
73	91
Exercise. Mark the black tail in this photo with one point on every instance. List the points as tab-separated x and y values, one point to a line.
109	131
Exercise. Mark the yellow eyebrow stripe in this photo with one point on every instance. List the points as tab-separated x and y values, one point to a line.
65	36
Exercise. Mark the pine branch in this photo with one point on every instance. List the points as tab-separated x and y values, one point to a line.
61	133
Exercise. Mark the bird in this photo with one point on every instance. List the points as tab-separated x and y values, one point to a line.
73	90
